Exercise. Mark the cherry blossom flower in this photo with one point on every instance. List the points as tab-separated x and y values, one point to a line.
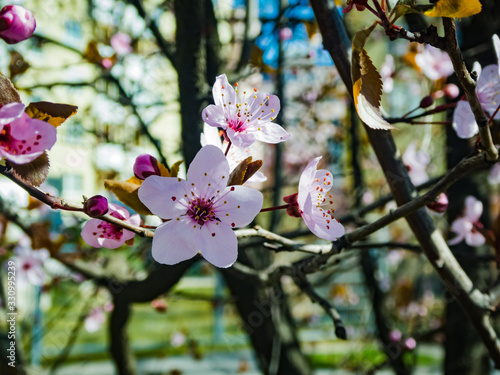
235	156
121	43
16	24
29	264
387	71
99	233
464	226
488	92
23	139
94	319
200	211
435	64
246	119
416	162
315	203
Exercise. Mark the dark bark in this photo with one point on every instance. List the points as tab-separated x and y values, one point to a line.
190	62
266	318
161	279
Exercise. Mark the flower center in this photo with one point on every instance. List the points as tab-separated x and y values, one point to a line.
236	124
26	266
201	211
5	138
111	231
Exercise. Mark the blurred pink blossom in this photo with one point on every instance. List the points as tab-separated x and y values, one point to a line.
464	226
121	43
435	64
29	264
416	162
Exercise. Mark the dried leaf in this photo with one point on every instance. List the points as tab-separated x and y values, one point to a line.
17	64
251	169
8	93
53	113
367	89
92	53
174	170
244	171
238	174
127	193
33	173
455	8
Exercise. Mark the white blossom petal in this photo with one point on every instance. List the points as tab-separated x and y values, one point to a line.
175	241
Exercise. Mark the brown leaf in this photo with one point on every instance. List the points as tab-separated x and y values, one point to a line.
127	193
367	89
251	169
8	93
33	173
53	113
244	171
238	174
17	64
92	53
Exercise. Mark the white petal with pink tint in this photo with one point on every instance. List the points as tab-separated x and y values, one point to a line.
175	241
238	205
218	245
11	111
168	206
209	171
464	122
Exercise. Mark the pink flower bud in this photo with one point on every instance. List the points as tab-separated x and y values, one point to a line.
16	24
426	102
146	165
451	91
410	343
440	205
293	206
96	206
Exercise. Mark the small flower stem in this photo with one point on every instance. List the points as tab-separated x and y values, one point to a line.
410	112
438	109
228	147
285	206
492	117
429	122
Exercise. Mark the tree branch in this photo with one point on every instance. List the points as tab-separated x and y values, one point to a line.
469	86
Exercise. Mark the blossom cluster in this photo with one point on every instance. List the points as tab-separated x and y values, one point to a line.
200	212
